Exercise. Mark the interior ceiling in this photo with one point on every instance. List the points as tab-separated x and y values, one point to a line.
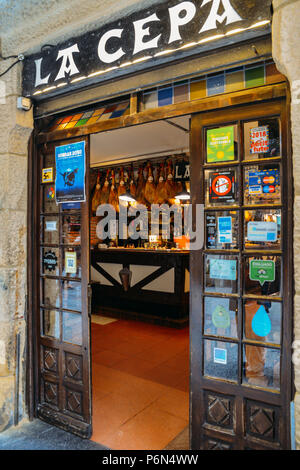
142	141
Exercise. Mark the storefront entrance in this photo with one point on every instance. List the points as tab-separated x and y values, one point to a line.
240	280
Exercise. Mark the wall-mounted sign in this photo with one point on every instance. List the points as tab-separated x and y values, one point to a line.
70	172
262	231
262	271
259	140
47	175
221	186
182	171
170	30
220	144
49	261
70	262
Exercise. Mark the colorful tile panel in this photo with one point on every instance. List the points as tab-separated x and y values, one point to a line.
230	80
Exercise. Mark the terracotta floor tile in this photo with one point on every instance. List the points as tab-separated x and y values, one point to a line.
174	402
164	376
107	357
140	384
134	366
129	348
151	429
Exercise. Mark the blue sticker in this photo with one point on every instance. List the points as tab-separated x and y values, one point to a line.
261	323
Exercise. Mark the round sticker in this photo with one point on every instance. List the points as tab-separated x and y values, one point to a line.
221	185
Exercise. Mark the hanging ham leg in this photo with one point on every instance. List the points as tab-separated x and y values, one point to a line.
113	198
161	193
150	192
105	190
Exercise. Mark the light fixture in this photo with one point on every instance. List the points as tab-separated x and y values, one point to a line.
127	197
184	195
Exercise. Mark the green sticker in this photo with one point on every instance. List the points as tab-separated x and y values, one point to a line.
221	317
262	271
220	144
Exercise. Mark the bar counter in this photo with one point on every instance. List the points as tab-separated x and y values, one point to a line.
156	286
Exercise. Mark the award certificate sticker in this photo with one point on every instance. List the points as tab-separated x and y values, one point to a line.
47	175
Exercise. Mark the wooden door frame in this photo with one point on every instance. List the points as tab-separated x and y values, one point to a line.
198	382
227	102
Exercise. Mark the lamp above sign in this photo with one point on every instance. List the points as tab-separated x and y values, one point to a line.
165	32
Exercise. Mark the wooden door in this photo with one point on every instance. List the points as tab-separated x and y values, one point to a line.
241	281
62	320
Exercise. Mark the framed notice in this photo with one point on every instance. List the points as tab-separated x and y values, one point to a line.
70	172
222	187
220	144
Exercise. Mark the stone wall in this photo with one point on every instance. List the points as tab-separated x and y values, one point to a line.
285	43
15	130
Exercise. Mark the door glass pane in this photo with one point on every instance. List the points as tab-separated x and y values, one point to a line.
262	228
262	184
50	323
222	144
221	274
71	262
263	275
50	292
220	317
262	139
50	230
221	230
71	225
50	261
261	367
71	295
72	328
221	360
262	321
220	187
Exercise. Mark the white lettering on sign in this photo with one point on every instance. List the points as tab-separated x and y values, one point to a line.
185	22
68	65
229	14
176	20
141	32
38	74
109	57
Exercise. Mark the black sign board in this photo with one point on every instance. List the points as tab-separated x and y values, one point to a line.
159	34
182	171
50	261
222	187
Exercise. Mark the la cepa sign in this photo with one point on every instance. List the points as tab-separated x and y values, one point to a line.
158	33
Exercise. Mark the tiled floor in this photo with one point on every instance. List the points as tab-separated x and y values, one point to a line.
140	384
